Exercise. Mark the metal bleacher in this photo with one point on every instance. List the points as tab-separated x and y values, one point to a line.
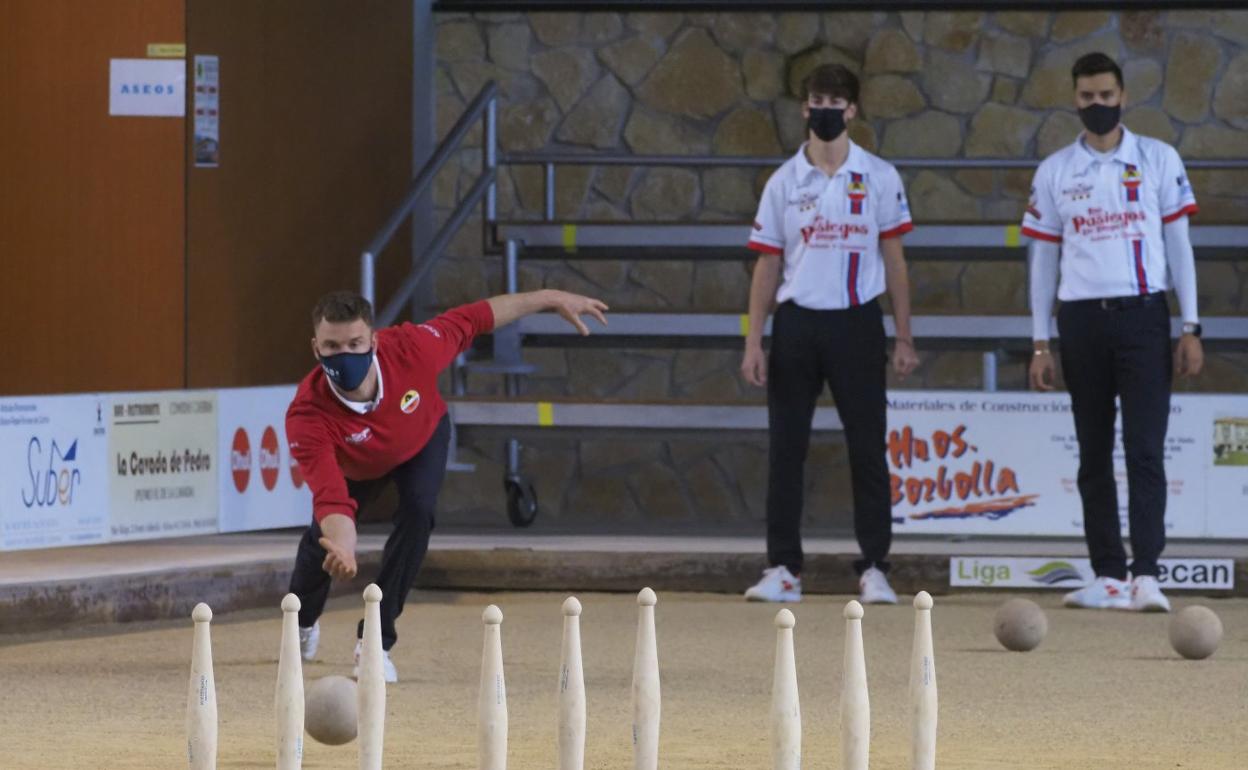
994	336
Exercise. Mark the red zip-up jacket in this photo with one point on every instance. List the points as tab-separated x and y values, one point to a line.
331	443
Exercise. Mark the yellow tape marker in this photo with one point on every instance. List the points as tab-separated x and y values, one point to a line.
745	325
1012	235
166	50
545	414
569	238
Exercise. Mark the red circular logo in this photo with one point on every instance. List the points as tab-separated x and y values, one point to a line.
240	460
296	475
270	458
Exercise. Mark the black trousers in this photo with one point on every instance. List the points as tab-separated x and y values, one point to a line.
418	481
844	349
1120	348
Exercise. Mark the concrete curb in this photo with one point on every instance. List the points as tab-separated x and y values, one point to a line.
167	594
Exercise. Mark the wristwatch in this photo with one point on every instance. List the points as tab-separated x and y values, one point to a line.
1192	329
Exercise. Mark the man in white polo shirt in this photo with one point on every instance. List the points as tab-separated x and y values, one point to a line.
1109	213
828	232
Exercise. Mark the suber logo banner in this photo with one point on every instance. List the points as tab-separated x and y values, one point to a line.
270	458
240	460
944	475
54	474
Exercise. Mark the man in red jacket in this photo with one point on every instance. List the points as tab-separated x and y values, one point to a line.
370	414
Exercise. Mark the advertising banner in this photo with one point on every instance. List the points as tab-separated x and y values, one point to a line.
261	487
1006	464
1226	484
1068	574
163	456
53	471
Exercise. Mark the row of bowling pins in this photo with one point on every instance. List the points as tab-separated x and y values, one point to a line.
201	707
570	740
786	717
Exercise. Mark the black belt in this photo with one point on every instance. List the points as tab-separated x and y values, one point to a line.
1123	303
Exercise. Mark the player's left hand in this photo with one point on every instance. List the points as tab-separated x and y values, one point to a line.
905	359
1189	356
573	306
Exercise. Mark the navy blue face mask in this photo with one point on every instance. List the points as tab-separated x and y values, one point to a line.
347	370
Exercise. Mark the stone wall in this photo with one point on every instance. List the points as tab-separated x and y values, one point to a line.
938	84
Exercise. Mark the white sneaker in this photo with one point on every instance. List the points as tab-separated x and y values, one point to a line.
1146	595
309	640
875	588
776	585
388	671
1104	593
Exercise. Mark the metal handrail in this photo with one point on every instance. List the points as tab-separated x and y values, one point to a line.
485	103
479	190
548	161
739	161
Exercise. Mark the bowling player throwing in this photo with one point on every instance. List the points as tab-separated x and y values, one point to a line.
370	414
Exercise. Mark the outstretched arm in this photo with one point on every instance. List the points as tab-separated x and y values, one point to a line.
511	307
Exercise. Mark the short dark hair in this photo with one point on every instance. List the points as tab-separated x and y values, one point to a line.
833	80
1095	63
342	307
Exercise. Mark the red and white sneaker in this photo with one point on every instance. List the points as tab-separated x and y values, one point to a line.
1146	595
776	585
1104	593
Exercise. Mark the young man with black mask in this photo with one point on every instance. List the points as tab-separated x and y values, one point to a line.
370	414
1109	215
828	230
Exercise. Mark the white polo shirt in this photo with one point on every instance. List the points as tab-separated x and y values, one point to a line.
1107	213
829	228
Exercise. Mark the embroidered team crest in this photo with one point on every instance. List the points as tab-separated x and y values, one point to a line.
1131	180
807	202
857	192
409	402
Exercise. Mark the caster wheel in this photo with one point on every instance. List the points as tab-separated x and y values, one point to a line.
521	501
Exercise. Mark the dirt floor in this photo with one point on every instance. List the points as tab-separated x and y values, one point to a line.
1103	691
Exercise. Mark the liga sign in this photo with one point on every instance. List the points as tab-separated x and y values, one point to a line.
1067	573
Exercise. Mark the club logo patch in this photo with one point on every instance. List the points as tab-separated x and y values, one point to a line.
1131	180
857	192
409	402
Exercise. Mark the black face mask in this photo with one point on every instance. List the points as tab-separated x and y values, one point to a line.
1100	119
827	123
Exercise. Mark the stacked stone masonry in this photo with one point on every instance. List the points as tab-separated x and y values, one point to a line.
936	84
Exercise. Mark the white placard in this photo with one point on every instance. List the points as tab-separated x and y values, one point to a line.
151	87
53	471
207	111
1226	485
1006	464
163	451
1070	573
261	486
